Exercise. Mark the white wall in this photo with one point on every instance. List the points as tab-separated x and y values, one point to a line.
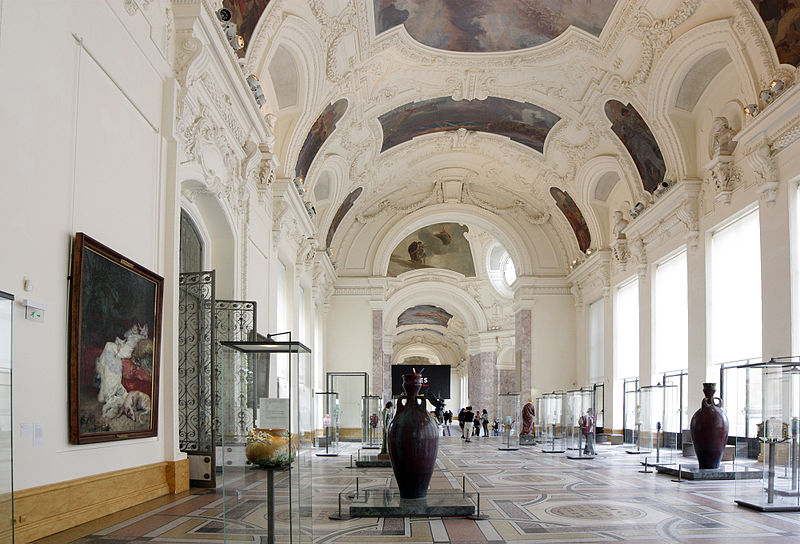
81	150
553	336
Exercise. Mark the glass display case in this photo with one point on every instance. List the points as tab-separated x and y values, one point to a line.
539	431
277	431
630	407
6	450
328	432
771	431
509	421
371	424
579	423
598	404
659	422
553	434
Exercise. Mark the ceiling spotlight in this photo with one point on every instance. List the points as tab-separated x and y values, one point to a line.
236	41
777	86
312	212
255	88
589	251
634	213
767	96
751	110
662	187
224	15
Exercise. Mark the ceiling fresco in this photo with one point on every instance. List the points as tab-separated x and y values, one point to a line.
320	130
637	137
245	14
782	19
341	212
574	216
522	122
424	314
487	26
441	245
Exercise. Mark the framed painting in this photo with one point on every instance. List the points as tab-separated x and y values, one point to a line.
114	345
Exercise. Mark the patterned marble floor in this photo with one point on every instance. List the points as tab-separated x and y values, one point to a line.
527	496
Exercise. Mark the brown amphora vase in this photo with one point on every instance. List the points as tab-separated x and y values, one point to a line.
709	429
413	441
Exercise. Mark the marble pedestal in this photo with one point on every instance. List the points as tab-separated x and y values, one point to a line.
371	461
726	471
388	504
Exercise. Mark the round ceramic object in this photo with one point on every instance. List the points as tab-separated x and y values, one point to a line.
270	447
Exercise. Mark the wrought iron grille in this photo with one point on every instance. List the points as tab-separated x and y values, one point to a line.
235	320
196	361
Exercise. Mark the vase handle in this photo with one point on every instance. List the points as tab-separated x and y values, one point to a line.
716	401
400	405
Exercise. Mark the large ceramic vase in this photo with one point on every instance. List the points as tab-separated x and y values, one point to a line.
709	429
270	448
413	441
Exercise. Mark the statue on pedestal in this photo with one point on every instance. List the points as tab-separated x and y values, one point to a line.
526	433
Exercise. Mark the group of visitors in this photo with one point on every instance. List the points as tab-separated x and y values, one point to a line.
472	423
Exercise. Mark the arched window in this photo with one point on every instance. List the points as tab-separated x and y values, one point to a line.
191	250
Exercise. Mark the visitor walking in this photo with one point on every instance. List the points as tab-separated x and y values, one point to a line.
485	422
461	421
587	428
469	418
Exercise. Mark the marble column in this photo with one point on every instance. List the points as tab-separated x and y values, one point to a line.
482	386
523	349
645	327
378	374
699	369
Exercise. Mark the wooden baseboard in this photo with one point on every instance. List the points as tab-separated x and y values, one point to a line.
49	509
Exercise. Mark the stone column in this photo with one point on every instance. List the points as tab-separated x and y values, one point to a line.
776	277
523	348
699	369
645	327
378	380
482	380
387	370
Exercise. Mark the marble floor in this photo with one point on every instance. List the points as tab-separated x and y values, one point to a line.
526	496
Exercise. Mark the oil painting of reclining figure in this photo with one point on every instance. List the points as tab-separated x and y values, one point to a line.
115	326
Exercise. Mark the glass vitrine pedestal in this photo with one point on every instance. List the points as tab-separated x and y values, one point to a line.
553	432
371	422
773	402
509	421
278	431
659	423
328	436
579	421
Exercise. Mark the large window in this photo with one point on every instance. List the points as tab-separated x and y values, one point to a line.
596	344
670	316
626	330
734	287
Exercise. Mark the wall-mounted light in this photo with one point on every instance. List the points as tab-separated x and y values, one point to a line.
777	86
301	188
662	188
751	110
589	251
255	88
312	212
637	209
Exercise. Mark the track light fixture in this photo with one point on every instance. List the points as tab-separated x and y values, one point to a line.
751	110
255	88
766	96
662	188
637	209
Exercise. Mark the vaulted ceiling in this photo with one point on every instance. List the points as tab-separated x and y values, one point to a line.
533	119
